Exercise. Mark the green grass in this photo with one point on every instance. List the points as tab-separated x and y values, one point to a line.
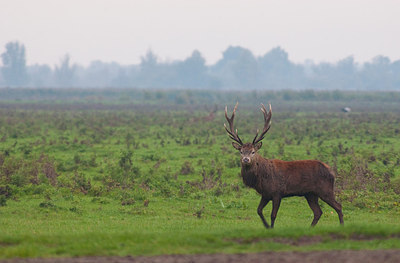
75	182
101	226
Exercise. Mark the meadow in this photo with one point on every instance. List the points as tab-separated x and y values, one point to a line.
135	172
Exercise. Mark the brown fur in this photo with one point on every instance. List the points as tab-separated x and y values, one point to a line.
276	179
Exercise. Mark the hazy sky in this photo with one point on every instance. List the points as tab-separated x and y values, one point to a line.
123	30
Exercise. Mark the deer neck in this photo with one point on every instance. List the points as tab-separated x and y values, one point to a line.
250	173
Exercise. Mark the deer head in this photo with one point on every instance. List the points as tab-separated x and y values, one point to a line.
247	150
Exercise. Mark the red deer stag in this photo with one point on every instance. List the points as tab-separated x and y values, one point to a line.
276	179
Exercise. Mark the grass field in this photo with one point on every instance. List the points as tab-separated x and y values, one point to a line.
123	178
101	226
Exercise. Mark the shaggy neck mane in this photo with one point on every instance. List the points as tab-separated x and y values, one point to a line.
249	172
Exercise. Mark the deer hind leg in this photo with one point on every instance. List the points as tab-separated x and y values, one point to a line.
330	200
263	203
312	201
276	202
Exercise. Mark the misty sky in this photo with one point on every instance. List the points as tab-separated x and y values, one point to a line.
123	30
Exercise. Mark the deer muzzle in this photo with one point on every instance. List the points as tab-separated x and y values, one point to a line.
246	160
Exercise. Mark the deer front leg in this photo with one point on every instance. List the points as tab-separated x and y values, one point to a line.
276	202
263	203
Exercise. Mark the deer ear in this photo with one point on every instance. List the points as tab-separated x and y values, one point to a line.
236	146
258	146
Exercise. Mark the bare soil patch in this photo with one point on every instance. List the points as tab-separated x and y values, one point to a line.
310	240
343	256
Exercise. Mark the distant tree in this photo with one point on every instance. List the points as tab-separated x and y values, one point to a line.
276	60
396	74
40	75
65	73
122	78
347	65
14	64
238	68
378	74
346	75
149	61
324	76
1	78
277	72
98	74
192	72
148	70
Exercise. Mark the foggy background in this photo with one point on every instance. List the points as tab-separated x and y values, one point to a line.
237	69
244	45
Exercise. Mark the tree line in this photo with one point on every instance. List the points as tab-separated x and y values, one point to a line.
238	69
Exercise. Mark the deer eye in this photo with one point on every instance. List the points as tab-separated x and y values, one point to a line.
253	152
241	152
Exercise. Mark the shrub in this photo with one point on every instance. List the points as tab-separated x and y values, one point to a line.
395	185
187	168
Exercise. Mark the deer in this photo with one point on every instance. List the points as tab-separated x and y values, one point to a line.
209	117
275	179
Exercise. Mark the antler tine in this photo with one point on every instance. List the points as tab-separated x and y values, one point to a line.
267	117
267	123
255	137
232	134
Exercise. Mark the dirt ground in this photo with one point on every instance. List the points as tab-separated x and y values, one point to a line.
342	256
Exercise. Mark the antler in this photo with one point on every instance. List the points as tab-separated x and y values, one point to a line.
232	134
267	123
